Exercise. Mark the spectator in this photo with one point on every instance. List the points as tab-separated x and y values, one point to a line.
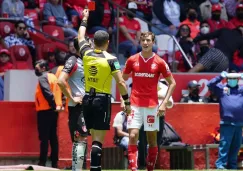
71	48
185	41
51	58
5	63
204	27
192	21
217	59
230	6
206	9
55	9
102	18
204	46
216	22
238	19
1	89
32	4
193	95
14	8
166	16
130	31
21	37
144	9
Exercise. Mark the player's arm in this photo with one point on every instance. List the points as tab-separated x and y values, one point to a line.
127	70
68	69
165	70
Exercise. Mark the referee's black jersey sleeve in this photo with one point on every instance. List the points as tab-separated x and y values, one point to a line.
114	64
84	46
70	65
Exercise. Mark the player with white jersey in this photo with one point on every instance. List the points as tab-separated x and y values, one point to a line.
146	68
72	77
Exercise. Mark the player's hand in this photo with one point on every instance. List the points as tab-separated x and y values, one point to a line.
162	109
59	109
77	100
224	74
85	14
128	110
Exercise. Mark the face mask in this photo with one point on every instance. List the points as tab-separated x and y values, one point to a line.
232	82
38	73
216	17
192	16
239	15
204	49
205	30
214	1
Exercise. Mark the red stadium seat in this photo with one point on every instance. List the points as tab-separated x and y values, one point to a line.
21	57
54	31
6	28
42	3
32	14
43	49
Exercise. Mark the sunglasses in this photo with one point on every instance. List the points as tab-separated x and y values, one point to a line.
185	30
22	28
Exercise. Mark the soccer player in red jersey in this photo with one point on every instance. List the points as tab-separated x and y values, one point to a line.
146	68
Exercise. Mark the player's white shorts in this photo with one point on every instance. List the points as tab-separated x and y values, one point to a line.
143	115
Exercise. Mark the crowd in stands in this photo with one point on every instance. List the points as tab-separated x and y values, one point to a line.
23	22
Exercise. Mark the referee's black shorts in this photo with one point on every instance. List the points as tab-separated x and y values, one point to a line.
97	111
76	121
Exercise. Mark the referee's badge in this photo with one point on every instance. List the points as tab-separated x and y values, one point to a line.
117	65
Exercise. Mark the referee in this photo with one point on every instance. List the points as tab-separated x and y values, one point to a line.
99	68
217	59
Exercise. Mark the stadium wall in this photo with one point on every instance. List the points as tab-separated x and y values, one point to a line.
19	137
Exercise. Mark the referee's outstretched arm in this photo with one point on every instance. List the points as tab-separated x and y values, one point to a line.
82	28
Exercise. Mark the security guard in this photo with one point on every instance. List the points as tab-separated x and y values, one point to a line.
193	96
99	68
48	102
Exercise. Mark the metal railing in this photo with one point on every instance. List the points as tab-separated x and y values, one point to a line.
176	43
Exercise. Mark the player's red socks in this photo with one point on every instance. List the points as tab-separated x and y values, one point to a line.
151	158
132	157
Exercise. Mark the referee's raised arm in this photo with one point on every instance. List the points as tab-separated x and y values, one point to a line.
83	25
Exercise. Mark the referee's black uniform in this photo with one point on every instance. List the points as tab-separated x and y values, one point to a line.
217	59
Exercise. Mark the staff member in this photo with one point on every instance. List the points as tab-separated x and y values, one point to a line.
231	119
99	68
48	102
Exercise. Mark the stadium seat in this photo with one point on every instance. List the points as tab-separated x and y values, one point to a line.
6	28
21	57
144	25
54	31
42	3
43	49
162	43
32	14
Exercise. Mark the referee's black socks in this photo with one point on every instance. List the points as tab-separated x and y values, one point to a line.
96	152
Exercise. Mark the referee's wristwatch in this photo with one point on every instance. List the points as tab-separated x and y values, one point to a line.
127	103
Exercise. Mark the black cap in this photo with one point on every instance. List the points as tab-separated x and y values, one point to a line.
193	84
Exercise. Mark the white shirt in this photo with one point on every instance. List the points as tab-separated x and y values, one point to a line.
119	119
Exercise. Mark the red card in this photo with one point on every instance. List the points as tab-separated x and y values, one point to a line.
91	5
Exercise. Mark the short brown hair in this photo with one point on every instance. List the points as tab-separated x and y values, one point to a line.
146	34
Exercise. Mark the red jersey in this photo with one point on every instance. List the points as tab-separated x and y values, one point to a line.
132	25
145	76
6	66
236	22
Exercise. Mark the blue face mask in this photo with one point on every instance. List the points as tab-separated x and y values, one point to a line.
214	1
232	82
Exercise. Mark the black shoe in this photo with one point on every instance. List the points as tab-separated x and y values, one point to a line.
41	164
54	165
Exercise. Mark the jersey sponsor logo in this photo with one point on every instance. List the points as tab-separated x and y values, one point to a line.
150	119
117	65
143	74
92	79
93	70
